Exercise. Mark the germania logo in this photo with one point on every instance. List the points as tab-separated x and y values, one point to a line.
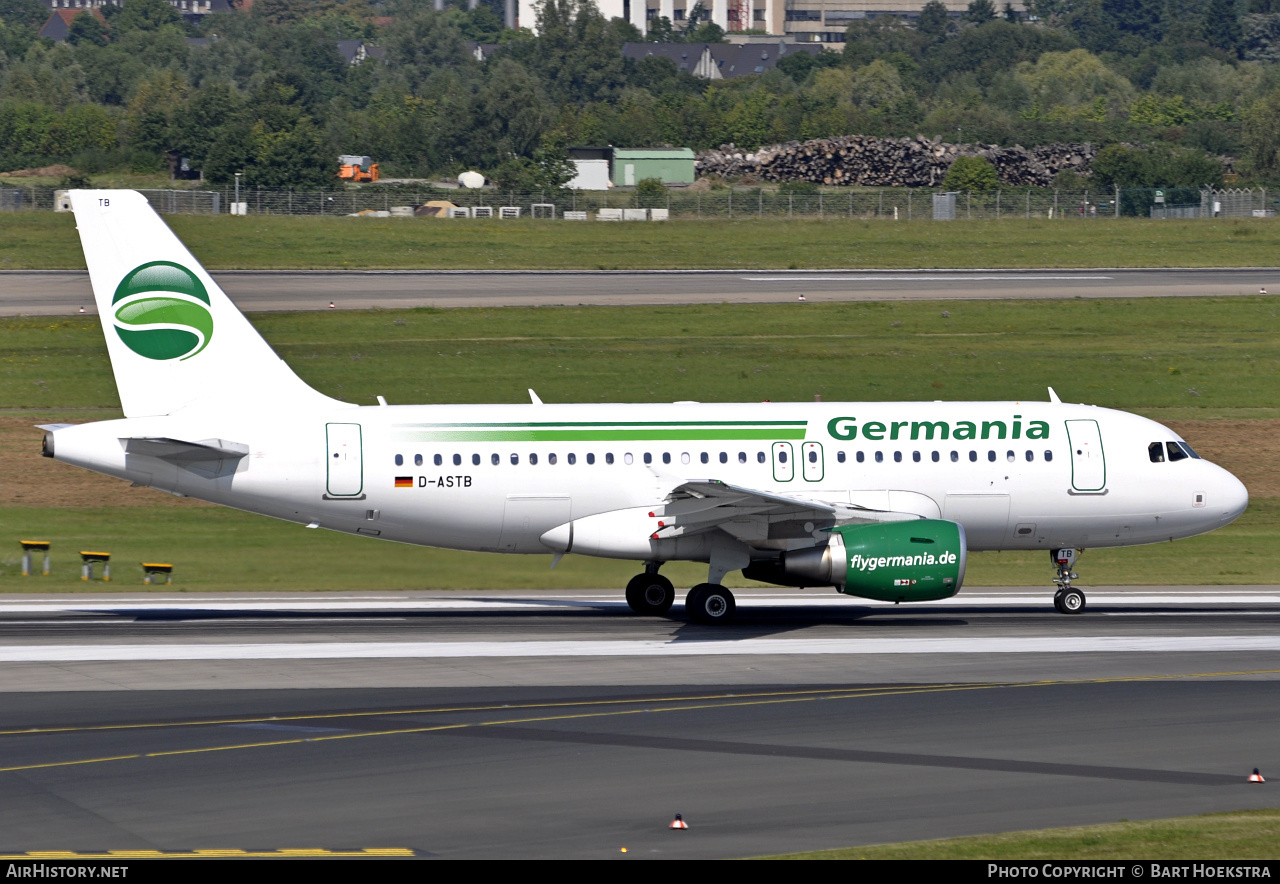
162	311
871	563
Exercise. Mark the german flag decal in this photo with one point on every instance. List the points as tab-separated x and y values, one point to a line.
404	481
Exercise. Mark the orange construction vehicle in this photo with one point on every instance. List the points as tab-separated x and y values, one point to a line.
362	170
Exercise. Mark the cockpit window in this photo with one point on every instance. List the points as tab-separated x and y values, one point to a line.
1189	450
1176	452
1156	451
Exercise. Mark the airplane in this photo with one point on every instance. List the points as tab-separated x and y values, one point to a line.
880	500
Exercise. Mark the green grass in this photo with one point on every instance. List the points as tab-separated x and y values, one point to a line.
44	240
1242	835
1144	355
1189	356
225	550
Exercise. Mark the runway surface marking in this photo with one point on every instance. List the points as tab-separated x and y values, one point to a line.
125	606
646	706
283	853
676	647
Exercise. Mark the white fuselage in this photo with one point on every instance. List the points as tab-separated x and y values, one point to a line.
1016	475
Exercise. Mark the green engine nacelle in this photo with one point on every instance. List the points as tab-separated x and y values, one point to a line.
914	561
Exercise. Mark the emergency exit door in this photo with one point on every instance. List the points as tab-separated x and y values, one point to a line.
811	461
1088	464
784	464
345	460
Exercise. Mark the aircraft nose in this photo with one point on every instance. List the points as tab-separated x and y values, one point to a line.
1234	498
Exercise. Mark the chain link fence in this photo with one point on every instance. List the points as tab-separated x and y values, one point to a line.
901	204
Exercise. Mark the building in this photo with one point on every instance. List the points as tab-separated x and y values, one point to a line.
191	10
670	165
804	21
356	51
59	24
720	61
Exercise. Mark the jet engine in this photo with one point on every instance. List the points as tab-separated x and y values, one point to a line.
916	561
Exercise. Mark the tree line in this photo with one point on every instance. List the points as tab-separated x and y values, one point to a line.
1168	85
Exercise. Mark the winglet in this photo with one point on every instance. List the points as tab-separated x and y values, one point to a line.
1053	397
533	397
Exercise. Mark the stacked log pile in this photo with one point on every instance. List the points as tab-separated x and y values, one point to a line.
891	162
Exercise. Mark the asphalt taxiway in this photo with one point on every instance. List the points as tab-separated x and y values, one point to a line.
39	293
557	724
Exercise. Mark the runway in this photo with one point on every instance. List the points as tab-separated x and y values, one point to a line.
53	293
556	724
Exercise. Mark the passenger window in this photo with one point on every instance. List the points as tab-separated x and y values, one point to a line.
648	458
1010	456
955	456
515	459
437	460
666	457
417	460
1048	455
861	457
897	457
973	457
1031	455
705	458
572	458
724	457
399	460
782	457
495	459
1175	452
813	457
759	457
936	457
533	459
915	455
591	458
840	456
742	457
608	458
1155	451
475	460
551	459
991	456
879	457
628	459
457	460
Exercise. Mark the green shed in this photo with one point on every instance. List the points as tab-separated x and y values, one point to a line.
669	165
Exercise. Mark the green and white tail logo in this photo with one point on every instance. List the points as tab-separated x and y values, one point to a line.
162	311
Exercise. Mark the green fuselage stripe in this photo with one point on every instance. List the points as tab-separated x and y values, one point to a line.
605	435
597	424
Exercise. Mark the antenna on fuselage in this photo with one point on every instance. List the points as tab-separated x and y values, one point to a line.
1053	397
533	397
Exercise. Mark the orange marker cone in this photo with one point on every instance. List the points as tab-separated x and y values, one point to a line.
331	305
801	298
678	823
1263	290
81	309
1254	777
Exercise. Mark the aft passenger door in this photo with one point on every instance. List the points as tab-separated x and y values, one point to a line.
1088	464
345	461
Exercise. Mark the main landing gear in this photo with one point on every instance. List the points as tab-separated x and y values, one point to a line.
650	592
1068	599
706	603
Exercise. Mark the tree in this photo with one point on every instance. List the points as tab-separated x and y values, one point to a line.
934	20
1222	25
651	193
971	173
85	28
31	13
1011	14
1261	136
145	15
980	12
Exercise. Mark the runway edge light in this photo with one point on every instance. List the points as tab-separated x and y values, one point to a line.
1254	777
678	823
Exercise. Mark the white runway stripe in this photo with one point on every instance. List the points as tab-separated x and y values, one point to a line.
649	648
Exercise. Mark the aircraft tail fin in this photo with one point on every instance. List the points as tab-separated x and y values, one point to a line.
174	337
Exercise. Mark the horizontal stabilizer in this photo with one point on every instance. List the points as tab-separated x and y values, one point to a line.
210	458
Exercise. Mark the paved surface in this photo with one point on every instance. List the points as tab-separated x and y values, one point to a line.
61	293
556	724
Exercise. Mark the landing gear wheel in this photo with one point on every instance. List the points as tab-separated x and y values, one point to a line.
650	594
1057	601
710	603
1069	601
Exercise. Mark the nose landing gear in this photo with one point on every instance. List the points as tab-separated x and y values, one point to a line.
1067	599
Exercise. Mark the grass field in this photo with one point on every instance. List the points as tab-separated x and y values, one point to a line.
1243	835
1212	364
44	241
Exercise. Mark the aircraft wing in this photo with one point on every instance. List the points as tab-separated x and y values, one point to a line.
210	458
755	517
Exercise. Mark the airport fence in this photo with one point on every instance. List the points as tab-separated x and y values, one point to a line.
900	204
